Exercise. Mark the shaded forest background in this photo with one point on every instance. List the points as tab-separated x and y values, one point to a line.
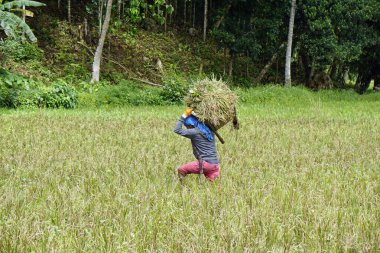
336	43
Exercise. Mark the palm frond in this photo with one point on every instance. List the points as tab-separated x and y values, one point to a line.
27	13
19	4
12	24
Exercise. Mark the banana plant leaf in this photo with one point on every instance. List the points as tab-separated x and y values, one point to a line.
20	4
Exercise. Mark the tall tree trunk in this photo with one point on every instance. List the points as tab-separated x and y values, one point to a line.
362	83
306	65
266	68
333	70
231	64
171	14
175	10
246	65
119	9
268	65
100	15
288	80
193	14
224	61
99	49
220	20
166	20
85	30
122	9
59	4
184	12
376	82
69	10
276	79
205	21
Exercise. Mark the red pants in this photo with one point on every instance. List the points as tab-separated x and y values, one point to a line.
211	171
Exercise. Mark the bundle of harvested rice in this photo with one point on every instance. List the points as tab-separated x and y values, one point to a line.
212	102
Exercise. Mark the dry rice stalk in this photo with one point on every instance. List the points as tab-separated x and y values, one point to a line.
212	101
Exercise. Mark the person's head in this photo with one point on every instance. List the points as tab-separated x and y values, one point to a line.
191	122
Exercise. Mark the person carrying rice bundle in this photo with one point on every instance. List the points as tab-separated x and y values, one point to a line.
211	105
204	148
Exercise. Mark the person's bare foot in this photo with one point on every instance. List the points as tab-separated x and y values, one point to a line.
181	176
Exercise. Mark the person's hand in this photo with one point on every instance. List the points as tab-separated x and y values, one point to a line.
187	113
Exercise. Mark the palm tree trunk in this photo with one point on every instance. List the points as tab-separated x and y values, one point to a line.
100	15
69	10
205	22
184	13
193	14
268	65
119	9
288	80
220	20
231	64
99	49
166	19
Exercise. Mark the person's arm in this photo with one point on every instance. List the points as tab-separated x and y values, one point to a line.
188	133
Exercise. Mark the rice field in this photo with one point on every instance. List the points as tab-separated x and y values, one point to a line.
297	177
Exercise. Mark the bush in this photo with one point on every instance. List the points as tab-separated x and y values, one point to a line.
30	98
275	95
11	86
60	95
87	100
128	93
17	91
175	88
73	71
20	50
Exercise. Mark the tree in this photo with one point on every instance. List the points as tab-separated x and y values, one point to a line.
333	37
69	11
184	11
13	25
288	59
99	49
254	29
367	65
205	21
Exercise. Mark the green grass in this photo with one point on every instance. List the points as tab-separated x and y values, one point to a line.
302	175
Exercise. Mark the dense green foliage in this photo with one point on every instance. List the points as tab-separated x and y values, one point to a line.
20	50
334	37
17	91
336	44
175	88
127	93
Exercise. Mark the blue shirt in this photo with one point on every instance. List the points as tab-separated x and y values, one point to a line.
202	147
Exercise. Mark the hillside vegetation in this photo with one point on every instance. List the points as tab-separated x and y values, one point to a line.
152	41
